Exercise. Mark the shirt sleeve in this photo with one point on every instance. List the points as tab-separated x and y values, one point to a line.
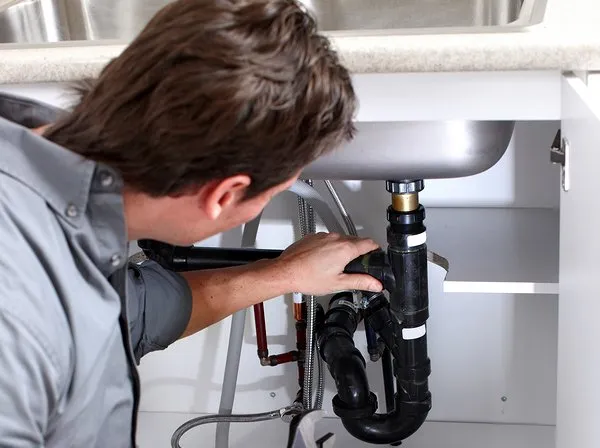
159	307
29	384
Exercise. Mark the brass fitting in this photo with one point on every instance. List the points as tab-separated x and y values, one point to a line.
405	202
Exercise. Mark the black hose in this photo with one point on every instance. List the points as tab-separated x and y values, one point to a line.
192	258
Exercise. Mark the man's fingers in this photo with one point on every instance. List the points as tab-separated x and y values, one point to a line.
363	246
361	282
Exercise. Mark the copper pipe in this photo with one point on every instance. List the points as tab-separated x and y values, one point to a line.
261	341
261	331
298	311
283	358
301	344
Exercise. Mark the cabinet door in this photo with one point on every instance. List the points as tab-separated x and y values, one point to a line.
578	394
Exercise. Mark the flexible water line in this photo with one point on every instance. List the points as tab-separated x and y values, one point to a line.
320	206
320	378
311	312
302	216
311	224
234	351
217	418
307	384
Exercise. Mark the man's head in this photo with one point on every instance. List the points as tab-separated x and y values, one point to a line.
215	107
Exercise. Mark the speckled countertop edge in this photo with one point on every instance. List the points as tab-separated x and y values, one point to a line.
567	39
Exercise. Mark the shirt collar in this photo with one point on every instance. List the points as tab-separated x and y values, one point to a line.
77	189
59	176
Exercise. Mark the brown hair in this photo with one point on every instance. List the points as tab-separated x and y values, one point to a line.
214	88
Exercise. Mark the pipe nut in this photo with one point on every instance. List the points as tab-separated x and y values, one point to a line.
403	187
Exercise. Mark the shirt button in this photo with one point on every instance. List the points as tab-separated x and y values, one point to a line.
72	211
115	260
106	179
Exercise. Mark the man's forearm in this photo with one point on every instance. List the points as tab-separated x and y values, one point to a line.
218	293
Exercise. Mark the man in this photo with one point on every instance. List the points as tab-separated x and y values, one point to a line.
210	112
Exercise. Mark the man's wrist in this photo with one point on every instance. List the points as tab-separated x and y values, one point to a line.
277	275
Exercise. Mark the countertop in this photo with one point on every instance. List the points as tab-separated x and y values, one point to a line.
567	39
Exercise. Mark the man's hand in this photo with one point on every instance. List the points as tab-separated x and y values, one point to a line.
315	264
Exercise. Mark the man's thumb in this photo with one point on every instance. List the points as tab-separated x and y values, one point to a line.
361	282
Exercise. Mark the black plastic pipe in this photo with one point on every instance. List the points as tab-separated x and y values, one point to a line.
354	403
388	379
391	428
372	344
401	324
412	400
345	362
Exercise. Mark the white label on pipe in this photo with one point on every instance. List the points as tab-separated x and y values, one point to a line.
416	240
413	333
297	297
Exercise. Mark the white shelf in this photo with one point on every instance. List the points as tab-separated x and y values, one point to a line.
500	287
497	250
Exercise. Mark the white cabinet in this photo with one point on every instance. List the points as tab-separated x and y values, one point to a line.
578	413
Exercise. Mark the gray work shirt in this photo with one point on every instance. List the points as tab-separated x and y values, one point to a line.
75	315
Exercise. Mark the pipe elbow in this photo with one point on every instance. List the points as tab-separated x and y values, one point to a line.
345	362
352	385
391	428
347	368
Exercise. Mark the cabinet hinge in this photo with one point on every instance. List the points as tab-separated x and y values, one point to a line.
560	155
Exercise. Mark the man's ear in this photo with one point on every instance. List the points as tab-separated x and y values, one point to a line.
220	194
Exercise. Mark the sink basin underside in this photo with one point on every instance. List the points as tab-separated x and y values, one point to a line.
416	150
41	21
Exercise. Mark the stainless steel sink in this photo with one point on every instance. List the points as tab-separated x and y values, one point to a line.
42	21
426	16
381	150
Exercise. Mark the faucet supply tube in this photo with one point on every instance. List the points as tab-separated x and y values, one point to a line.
219	418
307	226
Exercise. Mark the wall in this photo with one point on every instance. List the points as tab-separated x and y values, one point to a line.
493	355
